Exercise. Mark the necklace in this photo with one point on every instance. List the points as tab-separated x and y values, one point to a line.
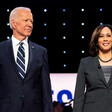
105	61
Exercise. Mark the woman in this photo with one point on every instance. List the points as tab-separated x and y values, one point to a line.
93	91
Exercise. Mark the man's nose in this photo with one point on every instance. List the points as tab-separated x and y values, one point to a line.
30	23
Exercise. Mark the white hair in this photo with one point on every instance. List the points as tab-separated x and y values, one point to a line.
14	13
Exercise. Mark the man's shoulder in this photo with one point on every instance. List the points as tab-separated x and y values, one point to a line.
3	42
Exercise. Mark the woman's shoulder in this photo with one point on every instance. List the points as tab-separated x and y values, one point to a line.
88	58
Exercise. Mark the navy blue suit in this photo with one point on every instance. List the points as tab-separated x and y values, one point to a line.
33	94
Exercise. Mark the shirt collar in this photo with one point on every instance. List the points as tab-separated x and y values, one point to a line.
16	41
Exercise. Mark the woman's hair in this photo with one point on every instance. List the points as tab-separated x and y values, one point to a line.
94	49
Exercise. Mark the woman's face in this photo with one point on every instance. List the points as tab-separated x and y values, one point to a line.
105	40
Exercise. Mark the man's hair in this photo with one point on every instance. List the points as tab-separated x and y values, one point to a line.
14	13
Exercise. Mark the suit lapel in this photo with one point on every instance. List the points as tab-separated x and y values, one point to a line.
99	69
31	48
9	51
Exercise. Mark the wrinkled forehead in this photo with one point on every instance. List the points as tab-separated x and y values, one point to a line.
25	14
24	11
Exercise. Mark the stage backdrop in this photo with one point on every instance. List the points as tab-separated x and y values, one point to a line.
63	87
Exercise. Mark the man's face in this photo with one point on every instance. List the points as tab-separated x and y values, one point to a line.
23	25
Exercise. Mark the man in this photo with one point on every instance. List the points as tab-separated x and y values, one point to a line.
24	75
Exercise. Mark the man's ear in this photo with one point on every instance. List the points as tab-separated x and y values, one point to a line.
13	23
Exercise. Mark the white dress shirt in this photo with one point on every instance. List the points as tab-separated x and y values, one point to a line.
15	44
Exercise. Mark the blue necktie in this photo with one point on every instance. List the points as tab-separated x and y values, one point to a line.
21	60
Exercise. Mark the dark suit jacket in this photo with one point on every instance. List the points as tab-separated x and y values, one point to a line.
98	95
33	94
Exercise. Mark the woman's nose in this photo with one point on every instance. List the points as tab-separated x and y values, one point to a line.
105	38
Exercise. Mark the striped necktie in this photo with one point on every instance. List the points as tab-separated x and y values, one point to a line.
21	60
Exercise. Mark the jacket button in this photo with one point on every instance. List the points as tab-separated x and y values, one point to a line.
105	93
22	97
